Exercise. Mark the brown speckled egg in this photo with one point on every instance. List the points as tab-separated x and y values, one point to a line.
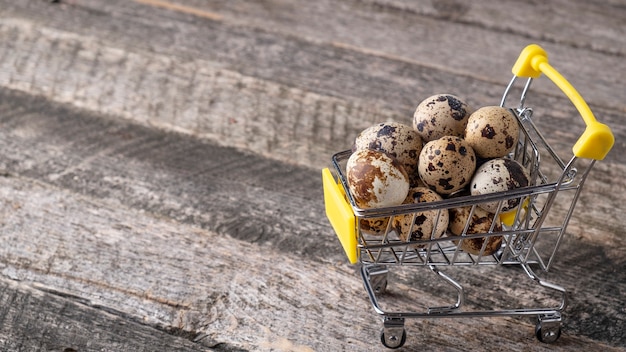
446	164
420	225
373	226
396	139
480	222
496	175
492	131
375	179
441	115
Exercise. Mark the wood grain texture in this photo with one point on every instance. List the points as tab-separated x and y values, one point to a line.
33	319
284	96
222	292
160	159
143	222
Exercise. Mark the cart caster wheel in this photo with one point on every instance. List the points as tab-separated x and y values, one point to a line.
548	334
393	341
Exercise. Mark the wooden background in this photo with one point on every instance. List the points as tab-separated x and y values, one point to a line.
160	163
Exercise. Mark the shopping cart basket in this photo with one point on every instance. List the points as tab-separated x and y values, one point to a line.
530	234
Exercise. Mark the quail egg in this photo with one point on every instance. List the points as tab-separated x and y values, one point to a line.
441	115
397	140
446	164
480	223
492	131
376	179
374	226
496	175
420	225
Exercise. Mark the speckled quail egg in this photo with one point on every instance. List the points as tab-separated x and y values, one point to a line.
374	226
446	164
441	115
376	179
480	222
420	225
397	140
496	175
492	131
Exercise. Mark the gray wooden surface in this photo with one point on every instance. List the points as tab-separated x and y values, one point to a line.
160	166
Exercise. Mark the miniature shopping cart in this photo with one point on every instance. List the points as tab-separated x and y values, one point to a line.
530	235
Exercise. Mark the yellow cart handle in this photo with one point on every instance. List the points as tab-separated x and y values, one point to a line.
597	139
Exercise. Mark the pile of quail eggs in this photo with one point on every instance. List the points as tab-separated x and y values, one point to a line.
449	150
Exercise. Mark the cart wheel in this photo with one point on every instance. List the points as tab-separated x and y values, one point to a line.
392	340
547	334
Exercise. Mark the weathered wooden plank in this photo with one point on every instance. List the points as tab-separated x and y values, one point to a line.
419	33
32	319
115	214
223	105
595	25
279	121
199	182
188	180
231	293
